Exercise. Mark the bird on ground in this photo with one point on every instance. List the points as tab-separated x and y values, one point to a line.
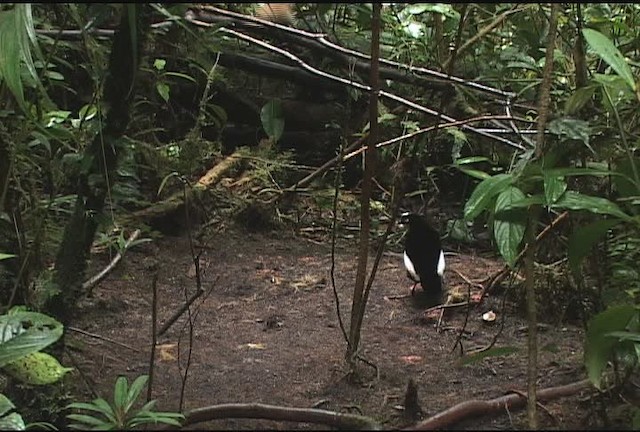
423	256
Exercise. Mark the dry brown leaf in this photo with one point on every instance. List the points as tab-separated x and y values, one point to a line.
165	351
411	359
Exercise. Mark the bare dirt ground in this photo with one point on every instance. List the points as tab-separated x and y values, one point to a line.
266	331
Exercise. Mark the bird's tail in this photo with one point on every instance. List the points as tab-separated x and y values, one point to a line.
433	292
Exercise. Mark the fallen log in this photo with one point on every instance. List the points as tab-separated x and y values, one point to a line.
176	201
273	412
475	407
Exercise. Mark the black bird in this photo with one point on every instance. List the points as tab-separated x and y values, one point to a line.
423	256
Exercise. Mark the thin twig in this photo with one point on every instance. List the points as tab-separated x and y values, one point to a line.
464	325
484	31
91	283
154	335
334	228
499	277
467	280
84	377
540	405
321	38
104	338
190	319
433	128
362	87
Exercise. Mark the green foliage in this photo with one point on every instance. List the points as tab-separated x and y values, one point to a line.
17	36
102	415
509	228
485	193
554	187
613	332
609	53
272	119
584	238
9	420
25	333
36	369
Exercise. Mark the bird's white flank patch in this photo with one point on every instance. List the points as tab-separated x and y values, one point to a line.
409	265
440	264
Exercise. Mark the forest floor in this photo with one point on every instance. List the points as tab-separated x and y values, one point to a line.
266	331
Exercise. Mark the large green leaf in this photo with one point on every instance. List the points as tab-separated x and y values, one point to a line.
509	231
17	35
484	193
37	368
134	390
624	183
472	172
576	201
272	119
572	129
579	99
480	175
9	420
120	394
10	54
599	346
554	187
584	238
575	171
522	203
24	333
610	54
625	335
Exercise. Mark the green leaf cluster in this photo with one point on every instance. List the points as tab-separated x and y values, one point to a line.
120	414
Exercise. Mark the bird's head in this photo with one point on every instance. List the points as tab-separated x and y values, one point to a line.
405	219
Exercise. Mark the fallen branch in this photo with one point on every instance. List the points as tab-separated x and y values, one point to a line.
91	283
191	17
474	408
179	313
273	412
214	174
176	201
104	338
321	38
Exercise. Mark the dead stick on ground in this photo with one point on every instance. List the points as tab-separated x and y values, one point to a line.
154	333
474	408
88	285
179	313
279	413
499	277
538	403
97	336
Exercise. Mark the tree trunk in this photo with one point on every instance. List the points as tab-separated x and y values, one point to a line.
102	154
358	303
